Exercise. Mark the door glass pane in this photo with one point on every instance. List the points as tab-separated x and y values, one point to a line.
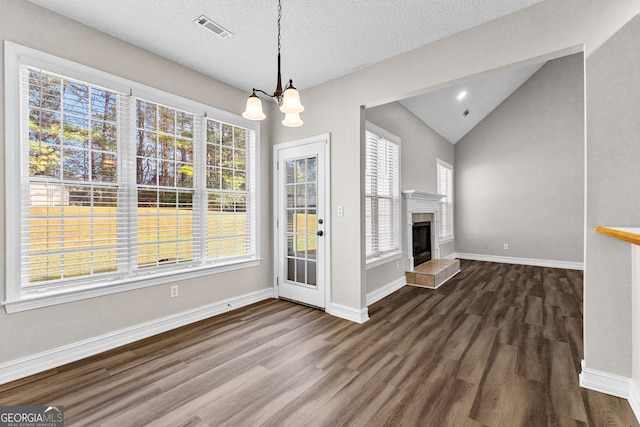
300	192
291	225
300	170
311	222
311	195
311	169
291	269
311	273
290	250
300	232
291	171
300	270
291	194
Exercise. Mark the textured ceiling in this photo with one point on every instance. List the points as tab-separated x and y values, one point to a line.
321	40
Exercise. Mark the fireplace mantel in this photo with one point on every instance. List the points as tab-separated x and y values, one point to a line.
423	196
420	202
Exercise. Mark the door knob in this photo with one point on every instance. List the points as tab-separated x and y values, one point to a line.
320	233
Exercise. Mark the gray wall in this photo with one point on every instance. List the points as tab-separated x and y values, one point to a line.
547	30
613	197
544	31
519	176
420	147
35	331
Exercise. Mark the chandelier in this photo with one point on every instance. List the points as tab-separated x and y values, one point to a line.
288	101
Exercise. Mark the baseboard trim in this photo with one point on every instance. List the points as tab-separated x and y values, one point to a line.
605	382
612	384
348	313
386	290
23	367
634	399
522	261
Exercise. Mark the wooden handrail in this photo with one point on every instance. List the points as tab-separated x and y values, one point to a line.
627	234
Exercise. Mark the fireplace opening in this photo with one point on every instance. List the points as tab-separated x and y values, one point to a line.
421	242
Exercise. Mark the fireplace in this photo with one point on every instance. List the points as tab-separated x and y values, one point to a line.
419	208
421	242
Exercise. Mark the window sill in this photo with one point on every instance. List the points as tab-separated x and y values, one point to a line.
375	262
46	299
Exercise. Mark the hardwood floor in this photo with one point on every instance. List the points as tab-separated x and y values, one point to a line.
499	345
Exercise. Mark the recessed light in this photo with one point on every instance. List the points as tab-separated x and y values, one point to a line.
462	95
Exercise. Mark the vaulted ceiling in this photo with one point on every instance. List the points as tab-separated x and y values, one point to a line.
454	111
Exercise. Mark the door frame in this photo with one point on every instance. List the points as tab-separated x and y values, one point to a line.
326	138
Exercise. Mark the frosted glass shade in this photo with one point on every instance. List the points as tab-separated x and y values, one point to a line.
253	111
291	102
292	120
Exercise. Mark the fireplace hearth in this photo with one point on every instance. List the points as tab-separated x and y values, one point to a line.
423	245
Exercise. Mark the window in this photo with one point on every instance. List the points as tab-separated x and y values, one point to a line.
117	189
69	212
445	210
230	205
164	185
382	193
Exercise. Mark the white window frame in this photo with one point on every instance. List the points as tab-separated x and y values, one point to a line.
16	298
381	258
447	200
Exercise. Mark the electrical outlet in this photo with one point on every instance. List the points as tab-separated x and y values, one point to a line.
174	291
340	210
505	246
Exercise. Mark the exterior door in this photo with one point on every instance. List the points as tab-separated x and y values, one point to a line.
300	220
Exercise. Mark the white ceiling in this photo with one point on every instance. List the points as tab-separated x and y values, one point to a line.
443	112
321	40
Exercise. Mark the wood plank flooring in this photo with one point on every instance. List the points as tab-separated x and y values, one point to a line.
498	345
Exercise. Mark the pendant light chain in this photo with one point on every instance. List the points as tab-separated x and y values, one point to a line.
279	18
288	99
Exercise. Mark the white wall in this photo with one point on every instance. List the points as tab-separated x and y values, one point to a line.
613	197
519	174
421	146
635	307
30	332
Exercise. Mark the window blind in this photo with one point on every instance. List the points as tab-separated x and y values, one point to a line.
113	186
164	184
382	195
230	203
445	211
70	221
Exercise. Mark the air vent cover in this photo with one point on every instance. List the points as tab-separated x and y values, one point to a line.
216	29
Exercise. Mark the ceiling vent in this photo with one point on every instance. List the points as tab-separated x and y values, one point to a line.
216	29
